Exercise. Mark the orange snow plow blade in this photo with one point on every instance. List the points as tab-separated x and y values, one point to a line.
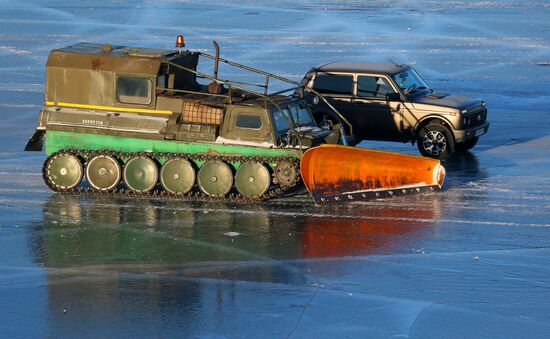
341	173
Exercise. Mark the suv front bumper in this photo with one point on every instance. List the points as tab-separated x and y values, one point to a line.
467	134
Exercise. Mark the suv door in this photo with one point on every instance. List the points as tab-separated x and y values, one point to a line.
337	89
375	117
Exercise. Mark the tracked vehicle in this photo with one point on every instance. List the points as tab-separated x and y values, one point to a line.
126	120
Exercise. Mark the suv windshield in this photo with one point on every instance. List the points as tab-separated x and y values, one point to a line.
410	82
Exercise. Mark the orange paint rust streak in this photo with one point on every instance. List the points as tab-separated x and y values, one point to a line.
335	169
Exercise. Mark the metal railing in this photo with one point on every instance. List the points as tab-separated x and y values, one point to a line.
264	94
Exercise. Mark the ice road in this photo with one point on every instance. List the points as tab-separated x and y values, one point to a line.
470	261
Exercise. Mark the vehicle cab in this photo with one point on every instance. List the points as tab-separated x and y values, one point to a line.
391	102
287	124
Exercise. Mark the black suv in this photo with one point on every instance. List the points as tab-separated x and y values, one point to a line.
386	101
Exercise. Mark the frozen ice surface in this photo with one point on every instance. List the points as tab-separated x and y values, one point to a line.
471	261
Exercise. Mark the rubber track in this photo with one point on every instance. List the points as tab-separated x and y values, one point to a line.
158	191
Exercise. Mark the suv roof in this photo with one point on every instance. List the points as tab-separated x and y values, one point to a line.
362	67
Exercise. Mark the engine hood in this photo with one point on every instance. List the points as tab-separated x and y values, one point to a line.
447	100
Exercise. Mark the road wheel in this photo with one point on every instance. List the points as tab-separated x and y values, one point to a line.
140	174
215	178
467	145
177	176
64	171
103	172
252	179
435	141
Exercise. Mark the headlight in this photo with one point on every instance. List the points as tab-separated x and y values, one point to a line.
464	111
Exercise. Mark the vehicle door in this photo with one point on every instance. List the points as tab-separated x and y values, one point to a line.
337	88
247	124
376	118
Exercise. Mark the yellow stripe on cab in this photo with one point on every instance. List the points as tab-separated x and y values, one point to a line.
108	108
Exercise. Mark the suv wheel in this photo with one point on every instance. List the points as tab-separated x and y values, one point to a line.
467	145
435	141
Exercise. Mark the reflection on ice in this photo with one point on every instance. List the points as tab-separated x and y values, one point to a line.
382	231
463	167
106	258
103	230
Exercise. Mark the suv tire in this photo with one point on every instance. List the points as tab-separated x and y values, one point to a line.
435	141
467	145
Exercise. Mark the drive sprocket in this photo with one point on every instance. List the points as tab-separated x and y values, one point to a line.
286	173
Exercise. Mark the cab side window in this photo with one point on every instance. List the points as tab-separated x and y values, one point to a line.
133	90
249	126
333	84
373	87
249	121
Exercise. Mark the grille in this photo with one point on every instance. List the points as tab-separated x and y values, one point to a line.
197	113
477	119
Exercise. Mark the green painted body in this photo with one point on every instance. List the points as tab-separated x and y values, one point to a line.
56	141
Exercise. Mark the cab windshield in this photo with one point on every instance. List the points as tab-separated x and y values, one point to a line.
298	115
302	116
281	122
411	83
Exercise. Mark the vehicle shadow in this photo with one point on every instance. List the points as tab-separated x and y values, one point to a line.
463	167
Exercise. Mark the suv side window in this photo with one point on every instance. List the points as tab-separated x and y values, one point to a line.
334	84
372	86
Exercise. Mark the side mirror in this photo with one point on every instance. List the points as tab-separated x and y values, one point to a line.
393	96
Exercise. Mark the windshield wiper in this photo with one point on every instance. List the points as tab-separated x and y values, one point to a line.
421	88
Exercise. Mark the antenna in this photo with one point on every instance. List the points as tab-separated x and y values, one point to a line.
395	63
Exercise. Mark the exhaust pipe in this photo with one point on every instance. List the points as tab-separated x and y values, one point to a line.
214	87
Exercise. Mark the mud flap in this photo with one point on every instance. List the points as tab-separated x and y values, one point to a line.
333	173
36	142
